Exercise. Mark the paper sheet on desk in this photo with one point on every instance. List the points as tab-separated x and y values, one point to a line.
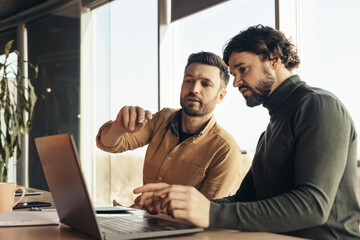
28	218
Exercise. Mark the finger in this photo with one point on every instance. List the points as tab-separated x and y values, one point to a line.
174	205
150	187
132	118
174	197
150	207
171	188
140	115
136	203
180	214
148	115
137	200
144	197
136	206
157	202
115	203
151	210
124	116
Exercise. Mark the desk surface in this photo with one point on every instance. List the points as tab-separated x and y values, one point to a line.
64	232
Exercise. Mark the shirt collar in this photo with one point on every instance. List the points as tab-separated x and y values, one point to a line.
175	120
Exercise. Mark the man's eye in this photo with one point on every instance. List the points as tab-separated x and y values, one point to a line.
205	84
242	69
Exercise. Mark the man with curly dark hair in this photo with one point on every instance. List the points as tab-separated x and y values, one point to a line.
302	181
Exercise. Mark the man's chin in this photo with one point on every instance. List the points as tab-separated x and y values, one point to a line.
251	103
192	112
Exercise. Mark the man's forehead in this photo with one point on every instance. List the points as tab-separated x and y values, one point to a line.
239	58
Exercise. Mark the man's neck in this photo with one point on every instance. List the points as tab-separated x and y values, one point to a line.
281	75
191	124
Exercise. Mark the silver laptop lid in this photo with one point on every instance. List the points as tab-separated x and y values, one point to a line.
59	160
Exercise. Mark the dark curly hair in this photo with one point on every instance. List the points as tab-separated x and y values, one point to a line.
262	40
212	59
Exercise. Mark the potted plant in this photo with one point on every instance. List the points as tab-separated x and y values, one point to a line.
17	101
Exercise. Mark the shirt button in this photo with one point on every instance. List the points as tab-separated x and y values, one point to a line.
169	158
160	178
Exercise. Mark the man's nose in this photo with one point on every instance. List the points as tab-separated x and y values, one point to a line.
196	87
237	81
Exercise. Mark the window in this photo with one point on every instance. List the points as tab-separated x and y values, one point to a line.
330	48
53	44
120	68
209	30
12	61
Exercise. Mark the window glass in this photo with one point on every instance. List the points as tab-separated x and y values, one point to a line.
53	44
126	74
12	63
330	49
209	30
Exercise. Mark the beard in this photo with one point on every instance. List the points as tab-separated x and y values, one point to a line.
261	91
197	109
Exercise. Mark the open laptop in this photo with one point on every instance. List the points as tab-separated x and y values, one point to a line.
59	159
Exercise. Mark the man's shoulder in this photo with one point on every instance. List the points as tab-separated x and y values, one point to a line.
164	116
166	113
319	101
308	96
310	93
223	135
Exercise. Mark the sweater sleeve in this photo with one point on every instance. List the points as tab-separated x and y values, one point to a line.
323	133
246	192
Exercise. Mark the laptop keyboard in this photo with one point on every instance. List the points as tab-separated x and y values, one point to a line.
129	225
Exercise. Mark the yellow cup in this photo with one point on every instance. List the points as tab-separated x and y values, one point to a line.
7	196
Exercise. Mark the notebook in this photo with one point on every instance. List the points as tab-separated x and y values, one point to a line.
59	159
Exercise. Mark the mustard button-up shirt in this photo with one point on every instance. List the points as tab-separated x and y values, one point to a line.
209	160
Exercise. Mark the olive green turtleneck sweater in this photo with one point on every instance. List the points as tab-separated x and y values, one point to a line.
302	181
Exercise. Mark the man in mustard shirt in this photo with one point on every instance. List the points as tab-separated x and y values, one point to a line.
185	146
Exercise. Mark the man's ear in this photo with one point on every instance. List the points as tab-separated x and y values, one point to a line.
221	96
275	61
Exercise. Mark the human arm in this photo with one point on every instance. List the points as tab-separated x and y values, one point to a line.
323	133
178	201
127	120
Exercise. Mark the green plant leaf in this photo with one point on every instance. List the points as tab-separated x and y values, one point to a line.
17	103
36	69
8	48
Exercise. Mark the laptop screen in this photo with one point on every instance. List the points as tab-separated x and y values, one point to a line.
59	159
60	162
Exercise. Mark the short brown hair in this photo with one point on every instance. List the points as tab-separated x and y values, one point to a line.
212	59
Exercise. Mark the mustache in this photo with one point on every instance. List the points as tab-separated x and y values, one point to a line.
192	95
245	86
